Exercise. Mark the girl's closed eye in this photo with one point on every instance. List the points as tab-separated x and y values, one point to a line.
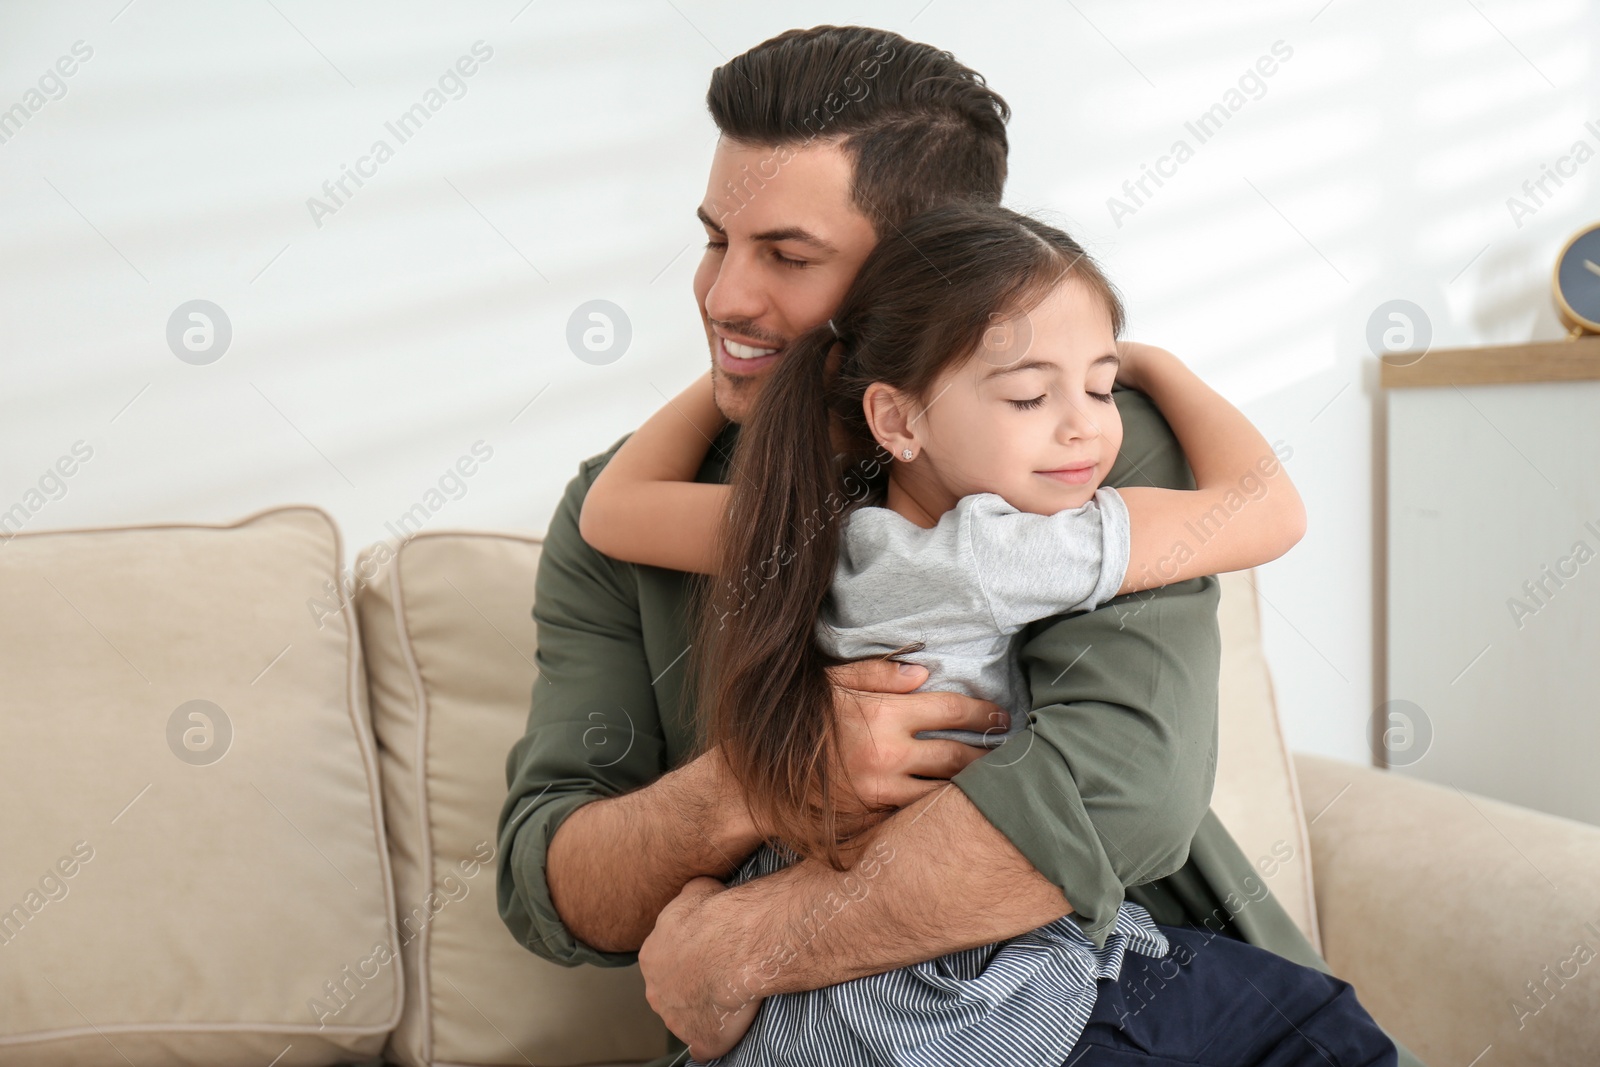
1029	405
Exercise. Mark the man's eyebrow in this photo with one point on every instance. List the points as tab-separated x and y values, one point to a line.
783	233
794	233
1039	364
705	217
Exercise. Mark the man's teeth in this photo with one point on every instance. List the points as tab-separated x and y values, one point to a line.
739	351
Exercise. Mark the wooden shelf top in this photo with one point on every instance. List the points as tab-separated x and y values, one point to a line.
1532	361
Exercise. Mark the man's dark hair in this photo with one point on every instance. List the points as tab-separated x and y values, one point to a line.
920	128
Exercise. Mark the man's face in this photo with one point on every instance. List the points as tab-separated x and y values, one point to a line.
784	243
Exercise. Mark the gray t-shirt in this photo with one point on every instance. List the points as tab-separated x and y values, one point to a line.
967	587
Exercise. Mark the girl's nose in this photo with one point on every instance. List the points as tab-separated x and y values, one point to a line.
1078	421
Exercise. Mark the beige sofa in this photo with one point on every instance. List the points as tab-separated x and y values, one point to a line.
251	810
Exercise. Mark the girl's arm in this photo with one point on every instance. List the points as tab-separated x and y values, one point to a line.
1243	512
645	506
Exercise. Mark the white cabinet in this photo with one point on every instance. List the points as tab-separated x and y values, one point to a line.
1493	574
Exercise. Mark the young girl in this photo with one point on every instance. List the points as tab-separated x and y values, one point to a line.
924	471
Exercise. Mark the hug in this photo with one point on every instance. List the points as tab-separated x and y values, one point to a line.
992	657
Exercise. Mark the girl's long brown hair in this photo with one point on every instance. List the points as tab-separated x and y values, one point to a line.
922	300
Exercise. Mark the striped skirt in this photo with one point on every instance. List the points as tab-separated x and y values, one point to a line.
1022	1002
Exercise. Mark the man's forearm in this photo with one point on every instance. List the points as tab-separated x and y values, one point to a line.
615	863
934	878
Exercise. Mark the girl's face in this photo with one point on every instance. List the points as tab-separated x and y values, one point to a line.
1029	416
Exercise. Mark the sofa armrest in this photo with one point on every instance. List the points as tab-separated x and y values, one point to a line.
1463	922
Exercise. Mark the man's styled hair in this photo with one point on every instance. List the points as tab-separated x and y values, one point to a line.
921	129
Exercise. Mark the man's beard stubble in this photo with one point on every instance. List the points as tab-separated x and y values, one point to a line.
735	396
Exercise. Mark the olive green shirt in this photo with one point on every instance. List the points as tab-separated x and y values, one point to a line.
1107	795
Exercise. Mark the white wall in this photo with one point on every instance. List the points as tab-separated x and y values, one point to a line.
428	313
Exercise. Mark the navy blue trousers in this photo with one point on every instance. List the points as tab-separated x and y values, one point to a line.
1215	1001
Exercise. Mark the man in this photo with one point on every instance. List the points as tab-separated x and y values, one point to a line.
616	833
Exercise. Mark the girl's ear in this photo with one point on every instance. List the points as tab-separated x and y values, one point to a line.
891	415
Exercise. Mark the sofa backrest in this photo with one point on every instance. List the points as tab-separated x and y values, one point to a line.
1256	795
450	639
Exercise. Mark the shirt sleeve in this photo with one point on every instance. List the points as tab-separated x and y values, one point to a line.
1109	784
593	689
1033	566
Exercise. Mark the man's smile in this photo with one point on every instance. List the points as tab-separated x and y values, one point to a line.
740	356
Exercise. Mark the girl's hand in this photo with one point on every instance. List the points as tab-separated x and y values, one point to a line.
1129	372
646	506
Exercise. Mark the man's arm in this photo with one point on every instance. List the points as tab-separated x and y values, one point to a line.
716	953
594	838
588	804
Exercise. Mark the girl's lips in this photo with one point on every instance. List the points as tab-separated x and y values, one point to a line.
1070	475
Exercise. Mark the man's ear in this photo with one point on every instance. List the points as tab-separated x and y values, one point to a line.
892	417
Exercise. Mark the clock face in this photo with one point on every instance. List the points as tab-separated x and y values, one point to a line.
1578	278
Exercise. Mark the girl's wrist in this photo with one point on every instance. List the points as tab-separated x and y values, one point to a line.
1153	369
1130	370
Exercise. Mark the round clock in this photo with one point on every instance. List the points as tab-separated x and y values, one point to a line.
1577	282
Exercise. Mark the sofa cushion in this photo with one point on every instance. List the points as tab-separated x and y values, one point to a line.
1464	923
1256	795
447	621
194	867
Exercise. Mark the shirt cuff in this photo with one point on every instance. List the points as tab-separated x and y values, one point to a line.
546	935
1038	808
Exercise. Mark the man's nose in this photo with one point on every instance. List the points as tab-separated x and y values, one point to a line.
735	294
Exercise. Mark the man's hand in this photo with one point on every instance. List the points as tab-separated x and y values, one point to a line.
685	978
879	717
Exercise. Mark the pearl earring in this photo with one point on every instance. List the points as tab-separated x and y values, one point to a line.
907	454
